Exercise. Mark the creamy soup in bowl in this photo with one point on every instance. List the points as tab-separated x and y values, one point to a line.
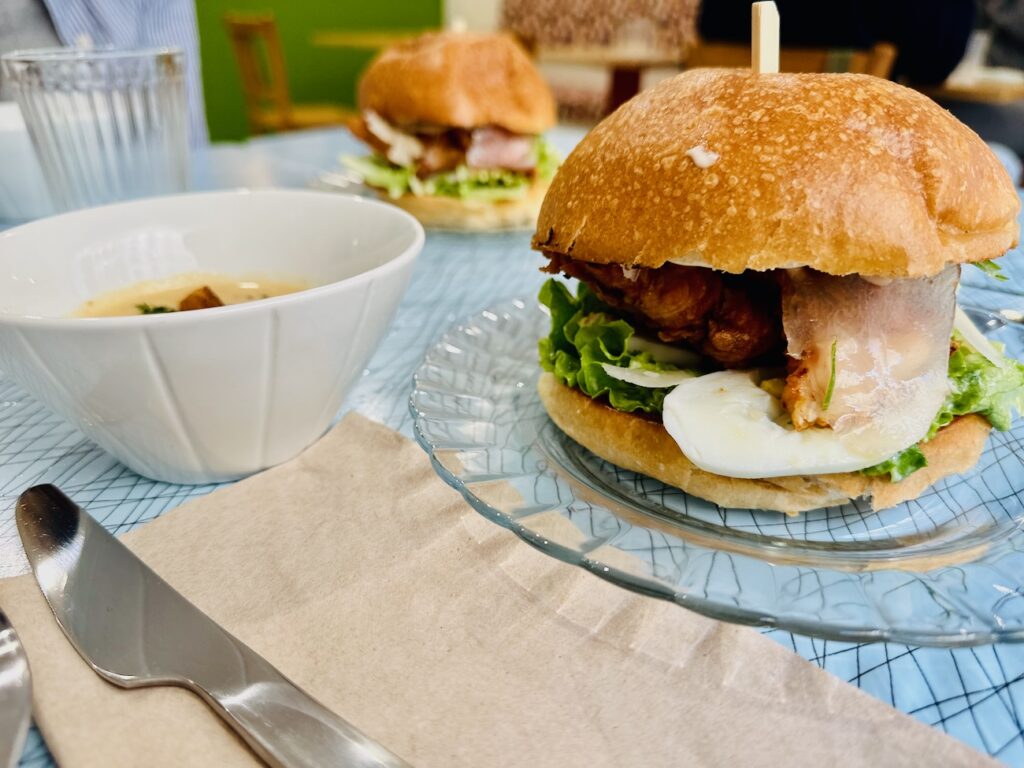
187	292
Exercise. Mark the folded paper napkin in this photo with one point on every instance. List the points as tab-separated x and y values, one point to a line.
372	585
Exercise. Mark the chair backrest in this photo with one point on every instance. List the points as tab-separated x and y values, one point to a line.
260	57
877	61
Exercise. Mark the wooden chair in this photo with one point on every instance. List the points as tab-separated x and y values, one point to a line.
877	61
268	101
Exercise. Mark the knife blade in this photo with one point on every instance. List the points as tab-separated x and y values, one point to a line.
135	630
15	695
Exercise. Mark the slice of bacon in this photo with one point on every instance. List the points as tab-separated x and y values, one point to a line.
891	341
495	148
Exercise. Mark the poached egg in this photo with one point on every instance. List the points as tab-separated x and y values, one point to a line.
727	424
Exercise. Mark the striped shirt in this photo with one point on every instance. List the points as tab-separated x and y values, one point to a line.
139	24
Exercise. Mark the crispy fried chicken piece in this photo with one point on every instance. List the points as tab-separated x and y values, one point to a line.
801	396
745	326
734	319
200	298
676	301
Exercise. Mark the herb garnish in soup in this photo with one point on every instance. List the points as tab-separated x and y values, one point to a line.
183	293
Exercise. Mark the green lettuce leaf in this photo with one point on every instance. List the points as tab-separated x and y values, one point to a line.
584	336
464	183
548	158
378	172
904	463
976	385
468	184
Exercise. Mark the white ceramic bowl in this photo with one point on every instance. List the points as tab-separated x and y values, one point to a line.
23	192
198	397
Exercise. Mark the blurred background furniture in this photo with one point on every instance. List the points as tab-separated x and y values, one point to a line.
371	40
877	61
260	58
660	25
599	53
315	75
930	37
626	68
986	90
631	38
983	90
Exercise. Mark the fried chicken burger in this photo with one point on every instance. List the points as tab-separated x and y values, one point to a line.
454	120
766	312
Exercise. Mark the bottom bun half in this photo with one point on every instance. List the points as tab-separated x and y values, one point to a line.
440	212
642	445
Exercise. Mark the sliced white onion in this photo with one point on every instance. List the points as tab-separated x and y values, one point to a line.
978	340
403	148
664	353
648	379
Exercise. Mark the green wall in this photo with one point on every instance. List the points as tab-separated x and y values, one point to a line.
314	74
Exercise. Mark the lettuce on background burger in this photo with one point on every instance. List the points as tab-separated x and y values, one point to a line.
766	315
454	120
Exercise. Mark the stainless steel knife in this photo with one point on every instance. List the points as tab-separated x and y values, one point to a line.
134	630
15	695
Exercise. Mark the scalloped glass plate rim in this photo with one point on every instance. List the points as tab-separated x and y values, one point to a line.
652	588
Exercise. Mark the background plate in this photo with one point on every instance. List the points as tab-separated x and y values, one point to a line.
942	570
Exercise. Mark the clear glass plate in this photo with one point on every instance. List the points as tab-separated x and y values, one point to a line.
945	569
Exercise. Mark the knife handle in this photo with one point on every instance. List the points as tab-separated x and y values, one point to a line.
285	726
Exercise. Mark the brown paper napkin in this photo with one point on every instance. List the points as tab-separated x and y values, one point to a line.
365	579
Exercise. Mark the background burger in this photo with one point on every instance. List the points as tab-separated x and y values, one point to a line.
454	120
766	315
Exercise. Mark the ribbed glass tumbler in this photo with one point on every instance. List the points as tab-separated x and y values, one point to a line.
107	125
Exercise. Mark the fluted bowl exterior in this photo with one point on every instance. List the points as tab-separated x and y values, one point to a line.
199	397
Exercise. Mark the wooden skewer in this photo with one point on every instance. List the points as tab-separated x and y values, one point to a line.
764	36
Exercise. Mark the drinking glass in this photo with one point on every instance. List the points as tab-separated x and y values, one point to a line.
107	124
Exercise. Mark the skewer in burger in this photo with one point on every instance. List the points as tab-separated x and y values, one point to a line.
454	120
766	314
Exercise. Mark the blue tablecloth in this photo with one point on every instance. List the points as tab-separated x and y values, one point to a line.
975	694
